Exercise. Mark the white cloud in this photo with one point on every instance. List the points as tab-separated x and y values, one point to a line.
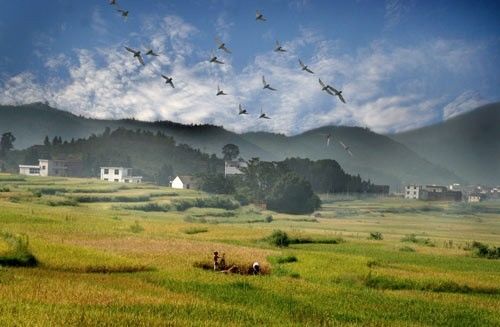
464	102
383	84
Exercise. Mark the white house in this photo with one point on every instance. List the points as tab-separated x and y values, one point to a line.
473	198
45	167
234	167
119	175
412	191
183	182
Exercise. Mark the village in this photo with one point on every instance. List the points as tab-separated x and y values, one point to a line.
72	168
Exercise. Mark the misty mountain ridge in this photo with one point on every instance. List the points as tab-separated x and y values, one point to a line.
409	157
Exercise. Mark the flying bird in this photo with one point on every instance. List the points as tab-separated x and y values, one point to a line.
123	12
325	87
215	60
221	45
168	80
305	67
112	2
150	52
219	91
137	54
328	138
263	115
242	111
278	47
259	16
337	93
266	85
347	148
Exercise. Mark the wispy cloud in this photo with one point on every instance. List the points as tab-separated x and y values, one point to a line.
464	102
379	83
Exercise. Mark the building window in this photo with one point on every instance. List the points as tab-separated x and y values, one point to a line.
43	167
116	180
117	172
105	179
106	171
34	170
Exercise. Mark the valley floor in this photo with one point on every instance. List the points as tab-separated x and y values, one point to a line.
112	254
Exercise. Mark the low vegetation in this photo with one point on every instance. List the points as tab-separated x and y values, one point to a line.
482	250
17	253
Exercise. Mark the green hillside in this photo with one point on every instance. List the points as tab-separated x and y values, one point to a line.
462	149
468	144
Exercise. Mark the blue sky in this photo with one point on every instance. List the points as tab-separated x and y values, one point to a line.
401	64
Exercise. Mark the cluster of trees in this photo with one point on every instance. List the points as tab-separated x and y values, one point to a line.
270	183
326	176
286	186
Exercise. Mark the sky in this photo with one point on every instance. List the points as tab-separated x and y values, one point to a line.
401	64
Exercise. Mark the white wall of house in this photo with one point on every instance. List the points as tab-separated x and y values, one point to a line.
52	167
412	191
119	175
234	167
29	170
177	183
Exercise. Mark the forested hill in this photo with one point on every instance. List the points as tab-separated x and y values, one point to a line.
462	149
150	154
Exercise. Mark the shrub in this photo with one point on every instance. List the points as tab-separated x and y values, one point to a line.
376	236
406	248
63	202
484	250
412	238
136	228
195	230
286	259
4	189
149	207
279	238
211	202
308	240
18	254
268	219
118	198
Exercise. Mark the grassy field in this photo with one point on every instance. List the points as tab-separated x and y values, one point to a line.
109	254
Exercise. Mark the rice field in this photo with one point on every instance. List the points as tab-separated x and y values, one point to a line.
110	254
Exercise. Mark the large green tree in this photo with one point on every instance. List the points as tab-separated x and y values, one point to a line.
230	151
292	194
6	143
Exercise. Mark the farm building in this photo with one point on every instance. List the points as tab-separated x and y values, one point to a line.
432	193
474	198
412	191
48	167
184	182
234	167
119	175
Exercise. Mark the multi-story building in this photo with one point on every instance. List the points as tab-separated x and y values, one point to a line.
119	175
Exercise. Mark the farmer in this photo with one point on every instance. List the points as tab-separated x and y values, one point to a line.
256	268
216	260
222	263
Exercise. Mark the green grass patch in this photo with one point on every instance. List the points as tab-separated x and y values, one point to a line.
441	286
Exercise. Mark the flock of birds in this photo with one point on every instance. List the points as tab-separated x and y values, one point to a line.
222	46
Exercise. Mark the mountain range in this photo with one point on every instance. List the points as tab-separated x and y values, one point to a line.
464	149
